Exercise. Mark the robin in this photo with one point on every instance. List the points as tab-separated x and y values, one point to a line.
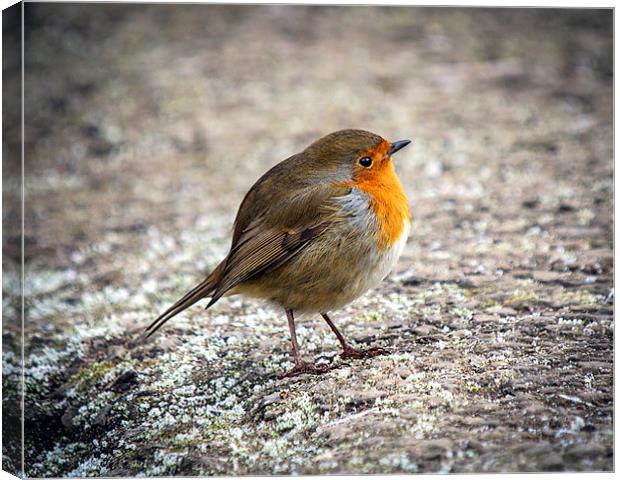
314	233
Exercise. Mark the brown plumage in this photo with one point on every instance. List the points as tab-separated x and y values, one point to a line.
312	234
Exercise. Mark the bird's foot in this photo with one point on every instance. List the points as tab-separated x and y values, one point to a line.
368	353
309	368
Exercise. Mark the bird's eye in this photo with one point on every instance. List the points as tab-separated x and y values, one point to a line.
365	162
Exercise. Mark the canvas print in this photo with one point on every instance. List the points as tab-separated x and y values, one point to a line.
285	239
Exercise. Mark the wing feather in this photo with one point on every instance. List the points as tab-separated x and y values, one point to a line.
265	251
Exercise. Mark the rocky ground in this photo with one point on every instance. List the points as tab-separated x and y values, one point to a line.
144	128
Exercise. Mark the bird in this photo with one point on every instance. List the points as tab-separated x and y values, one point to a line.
314	233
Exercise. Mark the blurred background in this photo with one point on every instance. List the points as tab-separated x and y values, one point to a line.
147	110
146	124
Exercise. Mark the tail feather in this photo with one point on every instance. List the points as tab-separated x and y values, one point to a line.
200	291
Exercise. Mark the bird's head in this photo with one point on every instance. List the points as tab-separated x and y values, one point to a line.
352	155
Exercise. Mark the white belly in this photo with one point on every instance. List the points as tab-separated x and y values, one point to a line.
372	269
384	262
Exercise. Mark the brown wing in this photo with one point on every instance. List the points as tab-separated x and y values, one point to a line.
273	224
277	231
260	250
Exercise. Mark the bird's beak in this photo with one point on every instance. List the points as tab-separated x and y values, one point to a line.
396	146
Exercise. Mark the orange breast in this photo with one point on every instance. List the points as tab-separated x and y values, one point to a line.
387	197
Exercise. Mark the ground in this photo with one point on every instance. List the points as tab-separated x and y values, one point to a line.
144	128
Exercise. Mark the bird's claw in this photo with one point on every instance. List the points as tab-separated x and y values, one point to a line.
309	368
368	353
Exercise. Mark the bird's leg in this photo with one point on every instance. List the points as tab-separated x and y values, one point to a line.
300	366
350	352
